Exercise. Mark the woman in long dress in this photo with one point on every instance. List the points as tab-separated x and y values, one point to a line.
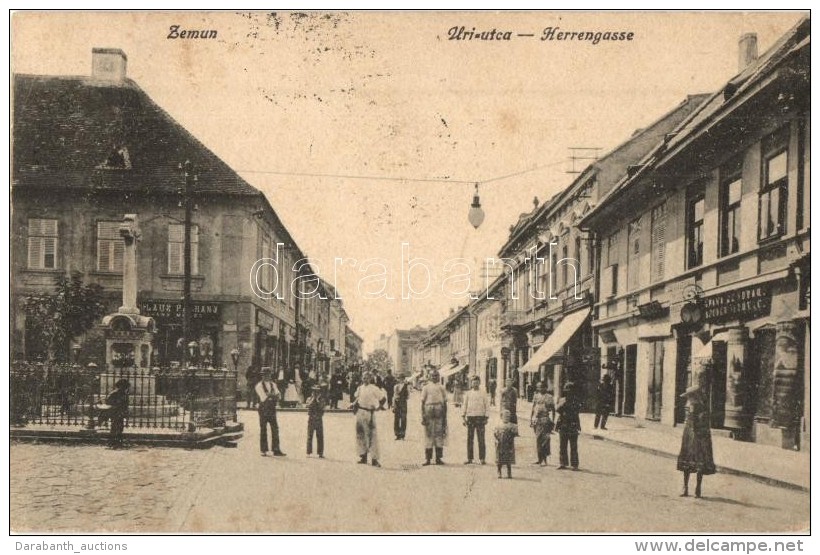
696	444
542	421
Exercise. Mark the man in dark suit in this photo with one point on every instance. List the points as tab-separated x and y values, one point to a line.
389	385
268	395
400	395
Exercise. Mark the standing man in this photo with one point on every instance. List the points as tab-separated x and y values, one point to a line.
606	396
252	376
475	412
569	426
434	418
354	385
389	386
268	395
492	386
400	396
369	399
117	410
509	401
337	384
316	409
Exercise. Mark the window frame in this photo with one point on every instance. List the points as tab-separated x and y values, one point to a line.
111	243
779	147
693	198
42	237
194	250
731	173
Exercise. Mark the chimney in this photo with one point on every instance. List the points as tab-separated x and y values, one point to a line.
747	51
108	64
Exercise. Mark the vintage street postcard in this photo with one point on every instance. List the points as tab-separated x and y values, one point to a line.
409	272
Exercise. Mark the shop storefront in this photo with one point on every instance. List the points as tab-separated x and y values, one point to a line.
206	327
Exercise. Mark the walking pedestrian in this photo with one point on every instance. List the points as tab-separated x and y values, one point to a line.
268	395
605	396
434	418
458	390
696	444
475	413
316	410
542	420
505	443
368	400
252	377
389	387
116	410
400	395
568	426
509	401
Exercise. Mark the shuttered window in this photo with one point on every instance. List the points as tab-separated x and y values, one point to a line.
658	255
42	244
634	256
176	249
110	247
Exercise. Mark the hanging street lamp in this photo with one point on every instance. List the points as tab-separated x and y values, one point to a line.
476	214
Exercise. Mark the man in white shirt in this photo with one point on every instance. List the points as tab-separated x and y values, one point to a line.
268	395
369	399
475	412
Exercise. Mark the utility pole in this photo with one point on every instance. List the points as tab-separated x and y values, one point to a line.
190	179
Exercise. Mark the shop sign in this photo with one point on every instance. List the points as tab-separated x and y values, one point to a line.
172	310
746	303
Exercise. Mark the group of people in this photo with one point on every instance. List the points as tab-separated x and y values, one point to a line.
546	416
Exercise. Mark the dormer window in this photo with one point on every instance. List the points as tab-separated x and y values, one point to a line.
118	159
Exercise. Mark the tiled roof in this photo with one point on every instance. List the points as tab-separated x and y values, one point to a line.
718	104
66	128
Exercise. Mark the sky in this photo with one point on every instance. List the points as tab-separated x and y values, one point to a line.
367	131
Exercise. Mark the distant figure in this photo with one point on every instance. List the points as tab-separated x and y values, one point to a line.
116	411
509	401
696	444
389	386
252	376
401	393
530	392
605	399
368	400
434	418
316	410
354	382
493	385
458	390
476	413
337	385
268	395
568	426
542	421
505	443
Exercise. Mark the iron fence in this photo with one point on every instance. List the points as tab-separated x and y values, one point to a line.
70	395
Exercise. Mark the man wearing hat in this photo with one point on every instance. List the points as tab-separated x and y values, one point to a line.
568	426
316	410
368	400
268	395
475	411
434	418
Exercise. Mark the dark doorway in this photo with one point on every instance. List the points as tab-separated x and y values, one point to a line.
682	372
717	385
655	393
630	370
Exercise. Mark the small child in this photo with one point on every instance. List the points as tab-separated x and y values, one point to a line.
316	410
505	443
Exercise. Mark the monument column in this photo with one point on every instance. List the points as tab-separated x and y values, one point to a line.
130	232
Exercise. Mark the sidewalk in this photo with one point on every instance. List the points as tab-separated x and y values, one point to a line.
764	463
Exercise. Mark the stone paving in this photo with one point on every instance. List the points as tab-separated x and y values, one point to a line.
89	488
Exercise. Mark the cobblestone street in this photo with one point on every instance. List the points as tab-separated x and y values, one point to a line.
62	488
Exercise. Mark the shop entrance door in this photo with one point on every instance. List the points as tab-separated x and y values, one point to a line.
655	393
717	385
682	371
630	369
